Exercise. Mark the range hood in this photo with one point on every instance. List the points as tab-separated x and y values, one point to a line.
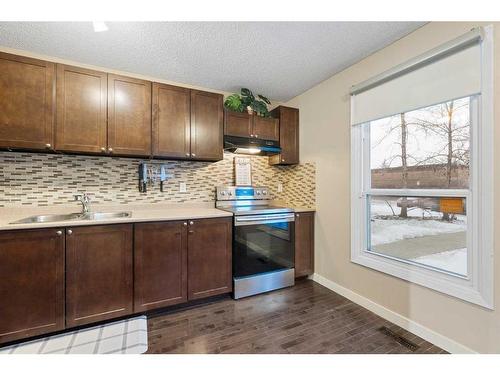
242	145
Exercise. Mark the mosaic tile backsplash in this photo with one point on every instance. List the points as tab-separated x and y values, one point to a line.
47	179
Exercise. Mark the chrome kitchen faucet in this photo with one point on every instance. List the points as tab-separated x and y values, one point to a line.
84	199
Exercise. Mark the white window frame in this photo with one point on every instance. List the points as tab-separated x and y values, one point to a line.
477	286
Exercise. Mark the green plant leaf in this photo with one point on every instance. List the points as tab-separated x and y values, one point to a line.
246	92
260	107
247	96
264	99
233	102
245	101
248	100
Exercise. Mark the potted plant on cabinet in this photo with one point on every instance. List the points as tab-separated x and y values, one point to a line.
247	101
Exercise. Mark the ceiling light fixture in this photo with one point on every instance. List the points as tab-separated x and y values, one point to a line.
99	26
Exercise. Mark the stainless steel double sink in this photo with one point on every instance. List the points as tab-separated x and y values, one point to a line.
96	216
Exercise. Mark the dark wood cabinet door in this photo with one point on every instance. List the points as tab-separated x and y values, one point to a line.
206	125
237	124
160	264
31	283
99	273
304	244
289	136
81	124
171	121
209	257
266	128
129	116
27	96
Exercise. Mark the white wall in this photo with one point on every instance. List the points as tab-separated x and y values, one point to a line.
325	140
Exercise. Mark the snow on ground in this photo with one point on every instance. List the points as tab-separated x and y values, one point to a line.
452	261
387	231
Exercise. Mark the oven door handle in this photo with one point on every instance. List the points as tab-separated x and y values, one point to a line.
263	219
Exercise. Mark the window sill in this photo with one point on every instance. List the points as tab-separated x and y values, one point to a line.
443	282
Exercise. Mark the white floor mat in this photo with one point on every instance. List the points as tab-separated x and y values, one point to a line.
124	337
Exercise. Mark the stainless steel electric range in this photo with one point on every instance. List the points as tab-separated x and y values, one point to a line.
263	240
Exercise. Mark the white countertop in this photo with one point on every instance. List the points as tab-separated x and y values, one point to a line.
140	213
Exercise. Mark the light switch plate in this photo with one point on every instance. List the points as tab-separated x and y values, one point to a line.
182	187
280	187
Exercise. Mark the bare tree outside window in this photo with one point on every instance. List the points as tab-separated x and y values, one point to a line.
423	149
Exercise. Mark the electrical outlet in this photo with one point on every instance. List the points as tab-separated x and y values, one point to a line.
280	187
182	187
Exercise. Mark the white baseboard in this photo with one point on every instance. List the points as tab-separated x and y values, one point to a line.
427	334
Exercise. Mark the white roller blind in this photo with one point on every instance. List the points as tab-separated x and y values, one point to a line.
449	77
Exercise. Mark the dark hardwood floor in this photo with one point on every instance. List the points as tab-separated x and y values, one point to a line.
307	318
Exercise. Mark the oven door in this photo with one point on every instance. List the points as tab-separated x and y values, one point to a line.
263	243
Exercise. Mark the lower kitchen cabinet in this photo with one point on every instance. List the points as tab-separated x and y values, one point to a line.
304	244
209	257
52	279
160	264
31	283
99	273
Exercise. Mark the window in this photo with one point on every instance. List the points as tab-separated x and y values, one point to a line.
421	176
428	148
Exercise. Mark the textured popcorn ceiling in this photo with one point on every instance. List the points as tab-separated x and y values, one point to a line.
277	59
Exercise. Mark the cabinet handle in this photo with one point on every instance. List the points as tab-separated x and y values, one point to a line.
190	231
103	149
193	155
185	224
187	153
251	135
70	232
110	149
282	159
297	215
256	136
191	222
48	145
59	232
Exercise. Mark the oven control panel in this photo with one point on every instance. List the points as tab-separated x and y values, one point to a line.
229	193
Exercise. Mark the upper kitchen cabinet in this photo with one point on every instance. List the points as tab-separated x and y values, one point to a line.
289	136
27	96
81	123
206	126
101	113
187	124
266	128
237	124
31	283
171	121
241	124
129	116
